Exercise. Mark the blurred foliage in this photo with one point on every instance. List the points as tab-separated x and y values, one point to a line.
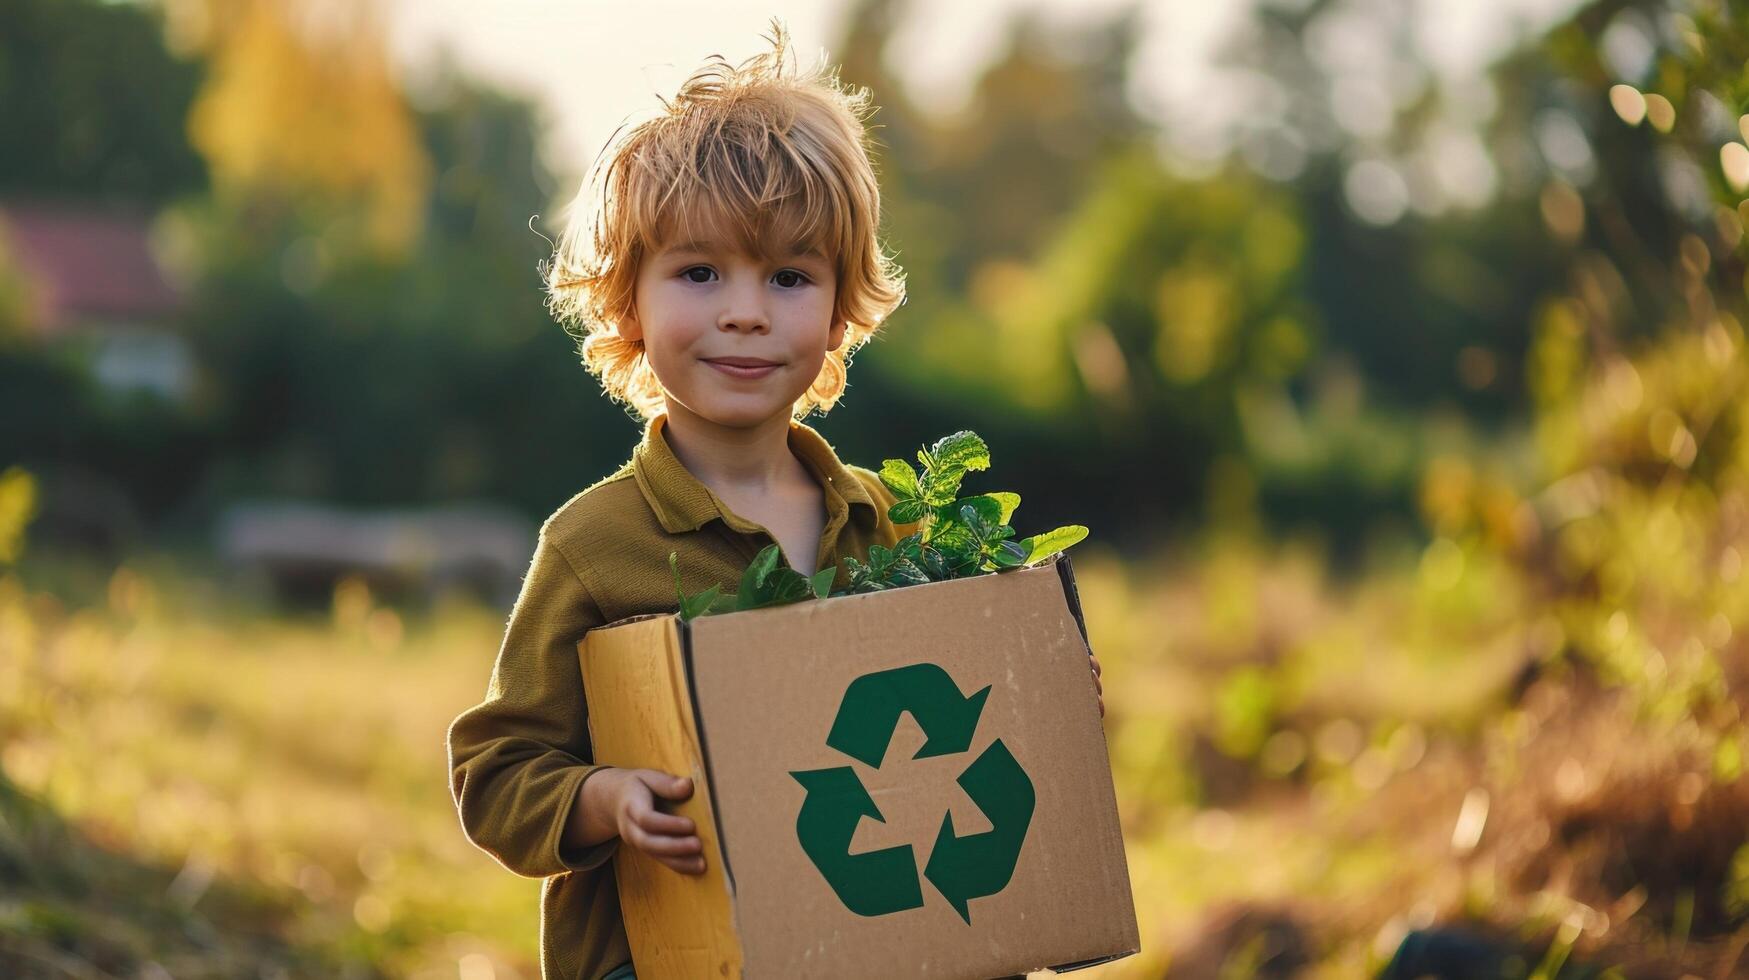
92	104
16	300
1236	345
320	76
1560	678
429	377
17	507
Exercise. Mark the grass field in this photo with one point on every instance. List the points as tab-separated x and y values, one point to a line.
1307	769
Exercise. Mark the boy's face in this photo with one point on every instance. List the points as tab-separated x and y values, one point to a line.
703	306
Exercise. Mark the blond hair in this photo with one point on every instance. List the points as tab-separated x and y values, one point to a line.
774	156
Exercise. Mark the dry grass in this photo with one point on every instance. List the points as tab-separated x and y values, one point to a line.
301	762
1307	770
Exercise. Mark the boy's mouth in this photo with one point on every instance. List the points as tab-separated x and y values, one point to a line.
742	367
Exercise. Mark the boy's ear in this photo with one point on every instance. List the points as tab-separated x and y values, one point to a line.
630	329
835	339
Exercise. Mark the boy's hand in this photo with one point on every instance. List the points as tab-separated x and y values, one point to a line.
1098	688
629	796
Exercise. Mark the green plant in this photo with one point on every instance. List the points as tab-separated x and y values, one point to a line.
764	583
957	536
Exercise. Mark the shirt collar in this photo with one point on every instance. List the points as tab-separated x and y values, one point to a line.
682	503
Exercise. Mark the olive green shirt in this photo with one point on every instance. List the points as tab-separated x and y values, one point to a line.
519	758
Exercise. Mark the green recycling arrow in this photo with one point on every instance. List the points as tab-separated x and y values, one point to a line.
964	868
873	883
872	704
960	868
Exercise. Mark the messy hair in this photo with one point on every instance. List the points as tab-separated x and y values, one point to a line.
774	156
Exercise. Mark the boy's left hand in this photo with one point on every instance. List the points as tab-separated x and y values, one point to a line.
1098	688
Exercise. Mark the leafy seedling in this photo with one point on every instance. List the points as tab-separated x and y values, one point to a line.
957	536
766	582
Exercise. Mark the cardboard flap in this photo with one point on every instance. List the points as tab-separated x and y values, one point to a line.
640	717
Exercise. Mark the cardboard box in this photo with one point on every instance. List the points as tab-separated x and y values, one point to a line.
907	783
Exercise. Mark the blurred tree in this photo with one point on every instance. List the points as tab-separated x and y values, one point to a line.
91	104
1348	287
301	109
432	376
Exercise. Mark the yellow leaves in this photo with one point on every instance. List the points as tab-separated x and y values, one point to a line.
291	111
357	615
1014	344
1274	244
1455	499
17	301
1442	564
1195	306
1554	371
1283	346
17	506
1670	438
1003	288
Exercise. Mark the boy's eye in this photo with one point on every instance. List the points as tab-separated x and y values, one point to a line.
787	278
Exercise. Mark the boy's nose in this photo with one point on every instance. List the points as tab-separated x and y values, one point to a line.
744	318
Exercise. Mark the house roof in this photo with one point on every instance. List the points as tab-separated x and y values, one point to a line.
87	260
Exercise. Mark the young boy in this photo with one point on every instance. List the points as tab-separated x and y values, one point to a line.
721	268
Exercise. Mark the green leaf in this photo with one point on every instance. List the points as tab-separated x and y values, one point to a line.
781	585
822	581
900	478
941	486
907	511
753	579
788	586
698	605
957	562
1009	502
961	451
985	511
1041	546
691	607
948	461
933	564
906	572
1009	554
947	528
988	507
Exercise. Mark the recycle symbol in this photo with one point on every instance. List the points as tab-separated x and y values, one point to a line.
960	868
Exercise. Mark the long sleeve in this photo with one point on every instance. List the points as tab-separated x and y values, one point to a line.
518	759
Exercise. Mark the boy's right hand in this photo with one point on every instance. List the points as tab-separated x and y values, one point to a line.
628	797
